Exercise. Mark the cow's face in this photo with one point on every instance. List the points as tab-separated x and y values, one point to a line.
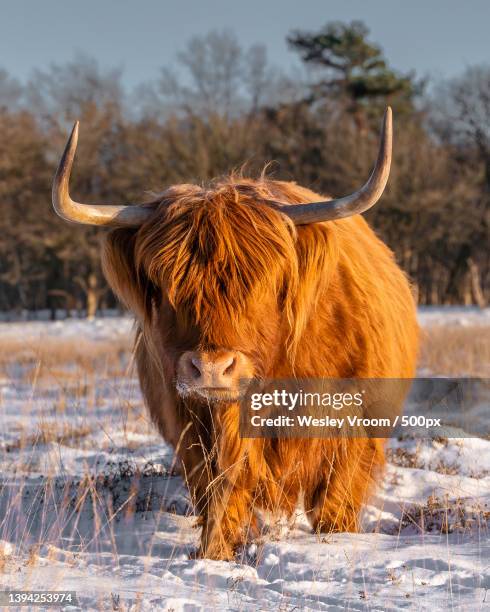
218	274
216	356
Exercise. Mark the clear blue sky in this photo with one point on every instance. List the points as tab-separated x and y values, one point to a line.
435	37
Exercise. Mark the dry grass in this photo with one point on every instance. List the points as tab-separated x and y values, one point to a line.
64	381
445	515
456	351
403	457
65	357
60	433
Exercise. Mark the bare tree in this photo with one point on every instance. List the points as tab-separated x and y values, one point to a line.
11	92
218	77
70	90
461	119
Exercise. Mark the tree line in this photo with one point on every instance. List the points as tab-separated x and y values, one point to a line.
224	107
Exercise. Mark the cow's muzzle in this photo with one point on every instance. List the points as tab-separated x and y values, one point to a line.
221	375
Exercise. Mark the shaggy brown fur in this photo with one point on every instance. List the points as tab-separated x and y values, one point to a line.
216	267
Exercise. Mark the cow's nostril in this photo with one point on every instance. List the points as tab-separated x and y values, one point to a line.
228	371
194	368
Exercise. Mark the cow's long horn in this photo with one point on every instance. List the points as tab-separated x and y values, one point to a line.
89	214
357	202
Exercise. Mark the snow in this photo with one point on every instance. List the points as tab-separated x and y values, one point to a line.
461	316
91	500
95	329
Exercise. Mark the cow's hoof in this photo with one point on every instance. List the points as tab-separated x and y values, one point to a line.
218	554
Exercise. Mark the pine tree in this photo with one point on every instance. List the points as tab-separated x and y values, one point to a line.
353	69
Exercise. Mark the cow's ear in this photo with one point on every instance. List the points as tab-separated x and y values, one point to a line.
118	263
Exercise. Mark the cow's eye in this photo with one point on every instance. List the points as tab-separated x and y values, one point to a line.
281	297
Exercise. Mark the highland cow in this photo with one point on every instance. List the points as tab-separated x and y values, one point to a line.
252	279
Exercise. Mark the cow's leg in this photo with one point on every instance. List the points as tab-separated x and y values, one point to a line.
334	500
226	523
222	486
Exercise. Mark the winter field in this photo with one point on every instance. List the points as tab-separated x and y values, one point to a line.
91	499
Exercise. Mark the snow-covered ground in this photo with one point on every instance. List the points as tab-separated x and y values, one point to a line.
462	316
91	501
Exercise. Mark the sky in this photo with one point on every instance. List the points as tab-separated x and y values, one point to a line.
436	38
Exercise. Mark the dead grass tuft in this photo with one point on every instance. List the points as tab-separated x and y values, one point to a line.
404	458
444	515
